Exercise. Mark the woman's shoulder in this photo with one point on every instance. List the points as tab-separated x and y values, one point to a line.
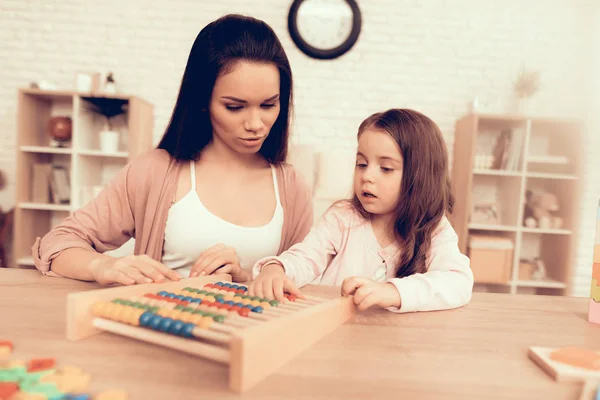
150	162
293	182
290	173
150	167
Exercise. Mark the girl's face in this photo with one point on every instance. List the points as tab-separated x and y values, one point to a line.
244	106
378	173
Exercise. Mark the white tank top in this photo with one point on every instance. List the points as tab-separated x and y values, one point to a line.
191	229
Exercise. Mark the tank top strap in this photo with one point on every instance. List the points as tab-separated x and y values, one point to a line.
193	174
275	185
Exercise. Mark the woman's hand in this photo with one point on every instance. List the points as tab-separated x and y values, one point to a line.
130	270
272	283
221	259
369	293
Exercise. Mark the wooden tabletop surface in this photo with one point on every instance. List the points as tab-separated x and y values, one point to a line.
475	352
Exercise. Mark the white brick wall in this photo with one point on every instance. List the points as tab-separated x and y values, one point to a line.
432	55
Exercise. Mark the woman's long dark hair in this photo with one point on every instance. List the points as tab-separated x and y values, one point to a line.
426	193
215	51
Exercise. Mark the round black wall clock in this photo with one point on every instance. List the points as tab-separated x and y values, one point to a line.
324	29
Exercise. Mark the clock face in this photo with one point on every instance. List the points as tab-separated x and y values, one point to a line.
325	24
324	29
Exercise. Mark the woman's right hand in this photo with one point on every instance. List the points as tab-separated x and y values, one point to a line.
130	270
272	283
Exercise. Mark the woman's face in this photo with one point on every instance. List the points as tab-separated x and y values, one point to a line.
244	106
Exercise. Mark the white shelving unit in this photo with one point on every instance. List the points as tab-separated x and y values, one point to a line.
546	156
88	167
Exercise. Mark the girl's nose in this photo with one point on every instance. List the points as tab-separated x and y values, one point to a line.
368	175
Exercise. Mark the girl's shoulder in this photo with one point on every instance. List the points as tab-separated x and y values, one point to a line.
345	214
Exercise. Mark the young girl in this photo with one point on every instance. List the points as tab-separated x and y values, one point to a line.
391	245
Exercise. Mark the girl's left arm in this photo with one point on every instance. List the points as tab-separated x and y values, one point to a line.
448	282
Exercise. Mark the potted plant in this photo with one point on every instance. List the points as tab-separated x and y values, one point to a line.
526	85
109	109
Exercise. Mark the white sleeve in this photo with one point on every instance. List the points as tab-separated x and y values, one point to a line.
307	260
448	282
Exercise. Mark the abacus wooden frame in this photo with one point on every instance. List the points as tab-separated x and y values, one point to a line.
273	342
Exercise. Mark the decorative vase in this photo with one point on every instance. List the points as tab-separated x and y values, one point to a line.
60	129
109	141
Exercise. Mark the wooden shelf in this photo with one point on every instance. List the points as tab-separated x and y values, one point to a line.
51	95
544	156
487	227
509	118
556	160
546	231
542	283
26	261
46	149
100	153
497	172
46	207
543	175
66	94
86	168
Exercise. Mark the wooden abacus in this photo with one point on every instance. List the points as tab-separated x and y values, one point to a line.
210	318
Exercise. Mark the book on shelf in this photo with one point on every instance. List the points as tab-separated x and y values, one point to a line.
508	151
59	185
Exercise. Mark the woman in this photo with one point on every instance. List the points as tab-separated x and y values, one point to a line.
216	193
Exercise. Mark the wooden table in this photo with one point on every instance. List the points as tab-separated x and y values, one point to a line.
476	352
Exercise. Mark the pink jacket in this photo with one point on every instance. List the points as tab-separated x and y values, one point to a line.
136	204
342	244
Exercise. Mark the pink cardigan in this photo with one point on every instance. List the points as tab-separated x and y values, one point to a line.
136	204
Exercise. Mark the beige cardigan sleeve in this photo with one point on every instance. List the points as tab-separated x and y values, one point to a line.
298	208
103	224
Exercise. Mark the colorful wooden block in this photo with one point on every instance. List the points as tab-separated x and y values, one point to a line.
7	389
112	395
567	364
594	306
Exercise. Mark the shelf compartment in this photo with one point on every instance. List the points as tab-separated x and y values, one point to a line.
554	148
90	125
33	223
553	251
565	191
492	256
30	186
499	144
95	173
495	200
35	110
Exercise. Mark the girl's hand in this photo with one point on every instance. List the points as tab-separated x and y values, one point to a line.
272	282
221	259
130	270
369	293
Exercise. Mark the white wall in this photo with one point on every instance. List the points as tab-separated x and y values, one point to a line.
431	55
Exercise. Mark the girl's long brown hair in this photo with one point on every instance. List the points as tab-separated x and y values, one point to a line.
426	193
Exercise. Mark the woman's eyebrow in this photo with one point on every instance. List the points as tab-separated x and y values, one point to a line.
244	101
